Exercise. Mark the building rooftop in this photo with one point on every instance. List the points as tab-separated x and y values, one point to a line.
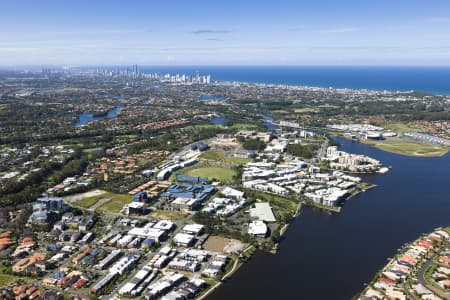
263	212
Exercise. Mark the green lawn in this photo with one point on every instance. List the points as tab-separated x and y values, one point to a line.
410	148
400	128
242	126
168	214
328	106
6	279
305	110
213	155
283	208
280	111
114	205
237	160
213	172
88	202
90	150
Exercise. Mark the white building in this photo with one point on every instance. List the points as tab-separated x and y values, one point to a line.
257	228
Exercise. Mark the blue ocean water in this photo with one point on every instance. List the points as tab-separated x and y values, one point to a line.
424	79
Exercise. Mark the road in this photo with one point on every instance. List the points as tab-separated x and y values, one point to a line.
424	268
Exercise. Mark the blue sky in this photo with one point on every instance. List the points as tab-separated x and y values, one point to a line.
209	32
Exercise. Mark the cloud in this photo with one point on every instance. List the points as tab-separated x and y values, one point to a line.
210	31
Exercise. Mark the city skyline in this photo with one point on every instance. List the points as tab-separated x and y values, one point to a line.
230	33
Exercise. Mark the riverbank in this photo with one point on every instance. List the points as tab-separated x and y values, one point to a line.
283	229
417	271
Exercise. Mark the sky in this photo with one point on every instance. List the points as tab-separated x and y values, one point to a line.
228	32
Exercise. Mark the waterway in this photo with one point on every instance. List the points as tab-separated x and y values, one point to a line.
331	256
268	122
85	118
207	97
219	120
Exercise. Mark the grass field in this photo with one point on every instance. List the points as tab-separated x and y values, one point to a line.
242	126
237	160
325	106
212	172
280	111
114	204
6	279
213	155
411	148
88	202
90	150
168	214
400	128
305	110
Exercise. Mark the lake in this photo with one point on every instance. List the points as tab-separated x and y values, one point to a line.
85	118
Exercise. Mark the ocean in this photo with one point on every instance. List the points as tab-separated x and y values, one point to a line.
434	80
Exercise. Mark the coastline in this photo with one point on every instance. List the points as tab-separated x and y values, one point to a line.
319	82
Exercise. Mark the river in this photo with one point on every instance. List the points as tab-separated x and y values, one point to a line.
331	256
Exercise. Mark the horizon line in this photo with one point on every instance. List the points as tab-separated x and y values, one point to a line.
219	65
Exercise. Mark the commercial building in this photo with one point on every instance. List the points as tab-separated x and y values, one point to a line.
263	212
257	229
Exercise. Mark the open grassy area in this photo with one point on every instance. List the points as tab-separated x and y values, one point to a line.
248	251
283	208
213	155
410	148
400	128
6	279
113	202
168	214
116	202
90	150
305	110
237	160
88	202
242	126
222	174
325	207
280	112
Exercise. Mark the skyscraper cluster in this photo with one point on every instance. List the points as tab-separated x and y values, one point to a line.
133	72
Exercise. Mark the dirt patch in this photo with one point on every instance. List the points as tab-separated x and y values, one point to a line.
221	244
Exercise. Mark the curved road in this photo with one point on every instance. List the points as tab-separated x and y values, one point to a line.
424	268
